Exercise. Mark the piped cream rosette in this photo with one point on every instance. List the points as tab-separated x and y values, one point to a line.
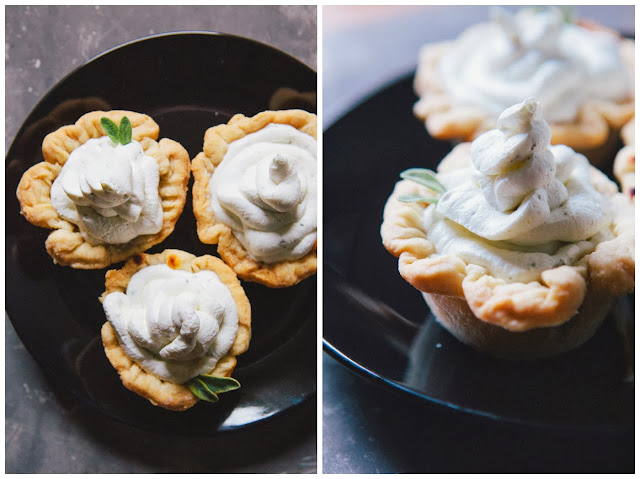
105	201
582	75
170	318
255	195
523	253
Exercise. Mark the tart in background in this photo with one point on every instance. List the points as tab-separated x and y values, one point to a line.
583	75
624	164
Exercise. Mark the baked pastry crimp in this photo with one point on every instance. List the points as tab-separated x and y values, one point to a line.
526	246
582	74
176	323
106	195
254	195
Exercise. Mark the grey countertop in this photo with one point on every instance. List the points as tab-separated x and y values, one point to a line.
366	429
46	430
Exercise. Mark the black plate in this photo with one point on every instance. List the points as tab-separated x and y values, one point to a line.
186	82
379	326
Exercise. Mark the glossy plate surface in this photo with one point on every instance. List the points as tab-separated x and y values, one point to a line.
186	82
379	326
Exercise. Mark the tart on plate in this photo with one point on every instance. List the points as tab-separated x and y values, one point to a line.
254	195
582	74
175	324
518	246
106	188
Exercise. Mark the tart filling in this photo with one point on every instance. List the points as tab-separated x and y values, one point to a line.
522	206
110	191
265	191
174	323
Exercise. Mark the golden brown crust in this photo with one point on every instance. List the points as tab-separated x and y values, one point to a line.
524	306
517	307
216	143
163	393
456	316
65	244
596	122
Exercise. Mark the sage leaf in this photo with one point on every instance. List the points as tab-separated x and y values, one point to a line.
110	129
125	131
207	387
424	177
201	391
416	199
219	384
568	13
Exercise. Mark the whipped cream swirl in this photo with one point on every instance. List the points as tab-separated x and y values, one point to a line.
524	206
534	53
175	324
265	191
109	191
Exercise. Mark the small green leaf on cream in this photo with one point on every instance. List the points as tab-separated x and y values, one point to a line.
125	131
110	129
424	177
118	134
416	199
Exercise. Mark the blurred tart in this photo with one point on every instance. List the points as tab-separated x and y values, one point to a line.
582	74
624	165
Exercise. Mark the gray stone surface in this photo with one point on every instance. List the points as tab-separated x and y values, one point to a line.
44	43
46	431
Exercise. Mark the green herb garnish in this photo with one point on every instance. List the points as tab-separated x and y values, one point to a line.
207	387
125	130
118	134
568	13
416	199
423	177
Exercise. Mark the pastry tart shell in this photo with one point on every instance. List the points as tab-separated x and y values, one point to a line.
210	231
158	391
485	311
65	244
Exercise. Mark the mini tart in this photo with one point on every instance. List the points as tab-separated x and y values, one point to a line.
513	320
593	133
160	392
624	165
65	243
216	142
